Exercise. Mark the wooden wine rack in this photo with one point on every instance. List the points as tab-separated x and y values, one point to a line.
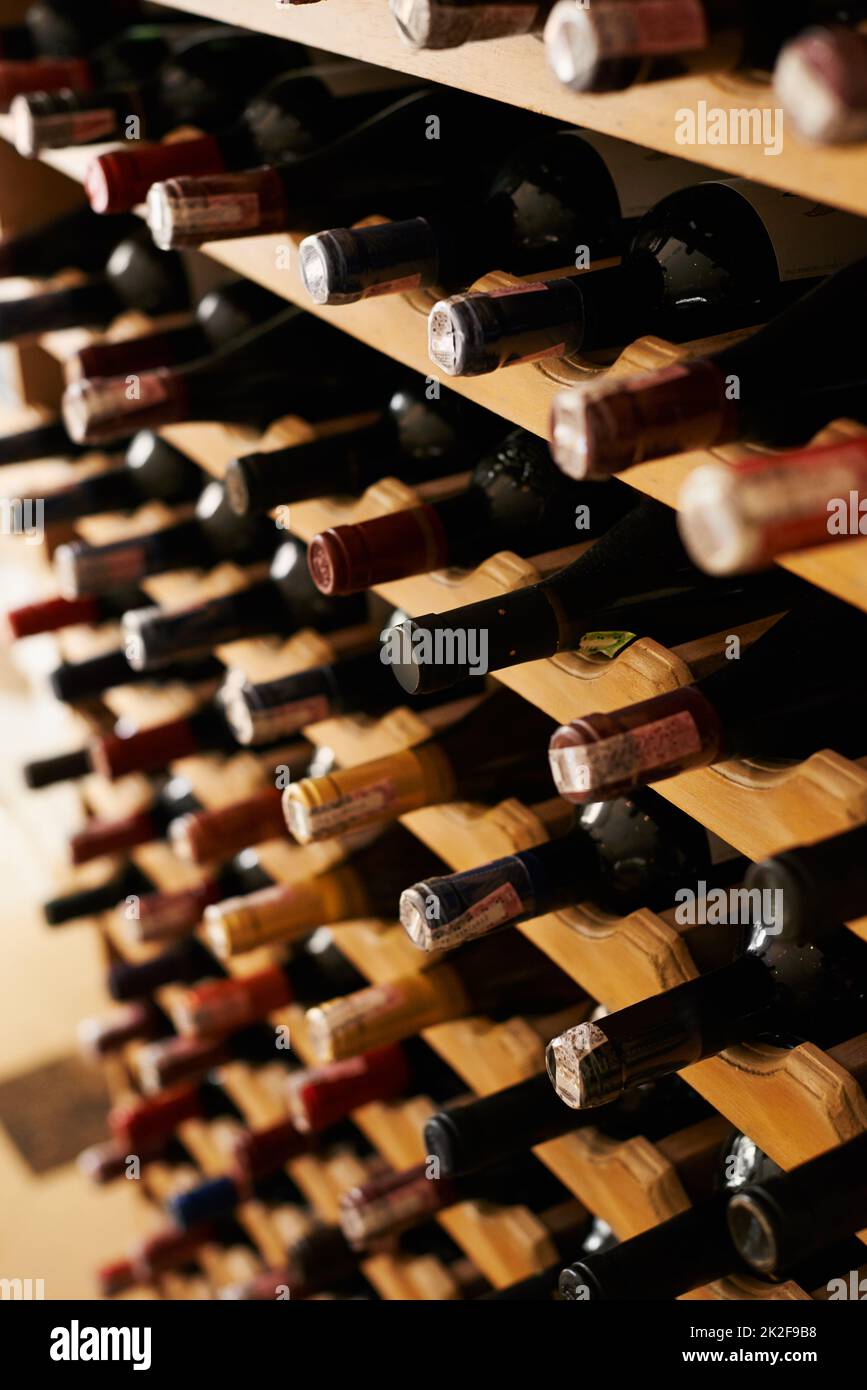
794	1104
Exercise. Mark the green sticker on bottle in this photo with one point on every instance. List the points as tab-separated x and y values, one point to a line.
604	645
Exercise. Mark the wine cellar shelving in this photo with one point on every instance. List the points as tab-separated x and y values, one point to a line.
794	1104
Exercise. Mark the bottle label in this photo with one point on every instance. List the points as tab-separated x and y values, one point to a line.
621	758
352	807
531	287
219	212
647	27
604	645
504	904
808	238
640	176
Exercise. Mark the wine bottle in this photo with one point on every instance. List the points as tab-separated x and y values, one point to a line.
722	255
321	1260
214	1007
169	916
181	963
88	902
283	603
139	1021
768	704
203	83
217	1198
784	1220
450	23
73	681
356	684
689	1250
816	884
818	81
176	1061
48	440
742	392
77	239
244	382
385	1206
324	1259
736	518
287	111
778	990
388	162
62	767
559	195
222	314
154	748
319	1097
513	502
166	1250
151	470
477	759
213	535
623	854
207	836
60	29
54	614
634	581
258	1153
473	1135
136	276
109	836
478	980
102	1163
542	1287
413	437
125	56
618	43
365	884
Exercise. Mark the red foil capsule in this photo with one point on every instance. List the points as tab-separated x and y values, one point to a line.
167	916
50	616
347	559
119	181
109	836
607	755
42	75
260	1152
222	1006
146	751
204	836
143	1123
321	1096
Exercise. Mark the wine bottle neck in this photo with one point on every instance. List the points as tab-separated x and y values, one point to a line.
154	638
680	1254
94	303
441	913
337	464
596	1062
470	1137
43	441
116	490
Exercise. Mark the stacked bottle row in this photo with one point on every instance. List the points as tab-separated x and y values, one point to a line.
814	51
443	164
783	968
